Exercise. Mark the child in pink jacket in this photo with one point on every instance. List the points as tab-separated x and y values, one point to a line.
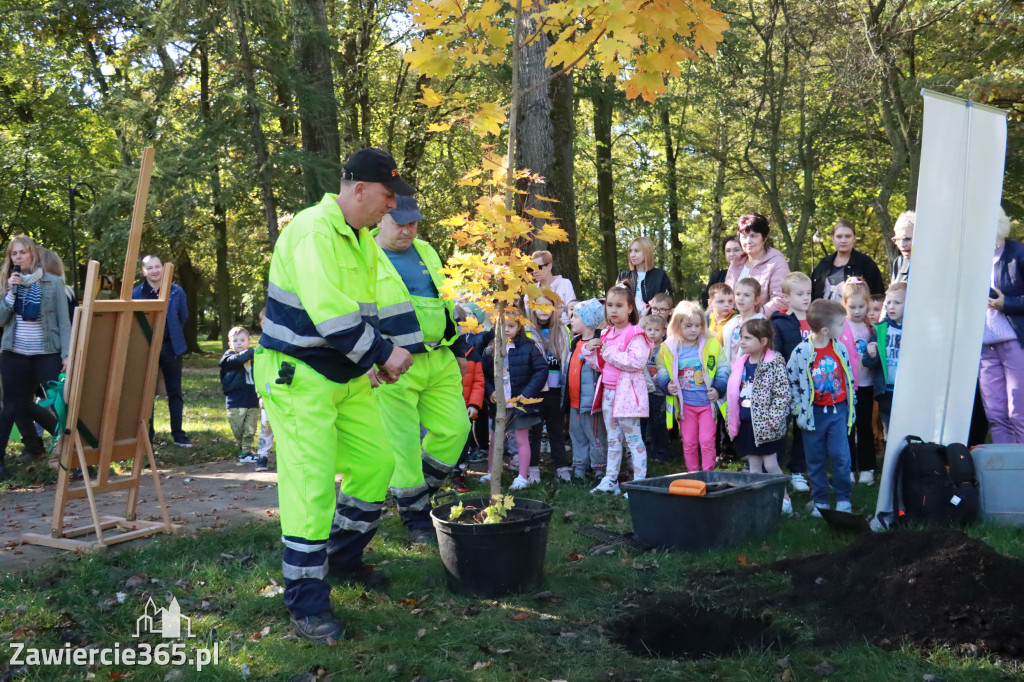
622	389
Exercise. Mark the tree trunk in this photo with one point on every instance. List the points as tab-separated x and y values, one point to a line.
672	200
220	220
189	279
256	127
716	232
318	113
544	146
604	104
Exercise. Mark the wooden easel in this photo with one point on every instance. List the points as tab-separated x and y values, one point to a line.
112	373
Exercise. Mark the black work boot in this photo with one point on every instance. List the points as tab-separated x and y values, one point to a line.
364	575
319	628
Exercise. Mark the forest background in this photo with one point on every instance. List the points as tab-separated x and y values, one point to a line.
810	112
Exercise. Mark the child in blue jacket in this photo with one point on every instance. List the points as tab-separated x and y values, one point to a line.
526	374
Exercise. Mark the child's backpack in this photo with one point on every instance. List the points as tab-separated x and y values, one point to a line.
935	483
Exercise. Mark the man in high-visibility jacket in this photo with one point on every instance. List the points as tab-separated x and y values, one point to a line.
414	316
320	341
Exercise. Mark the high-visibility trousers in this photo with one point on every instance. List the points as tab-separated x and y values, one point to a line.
428	395
322	428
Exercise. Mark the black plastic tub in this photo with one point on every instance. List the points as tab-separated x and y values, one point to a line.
749	508
494	559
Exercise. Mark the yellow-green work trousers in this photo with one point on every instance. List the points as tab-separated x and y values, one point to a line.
323	428
428	395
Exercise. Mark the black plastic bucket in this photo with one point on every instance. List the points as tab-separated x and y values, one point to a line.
494	559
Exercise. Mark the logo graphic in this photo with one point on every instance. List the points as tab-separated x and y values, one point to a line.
164	622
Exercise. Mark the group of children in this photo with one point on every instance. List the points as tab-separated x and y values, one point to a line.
623	379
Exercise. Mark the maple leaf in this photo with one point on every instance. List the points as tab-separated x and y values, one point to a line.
489	118
430	98
552	233
438	127
708	32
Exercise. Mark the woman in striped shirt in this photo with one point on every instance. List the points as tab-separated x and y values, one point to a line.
36	332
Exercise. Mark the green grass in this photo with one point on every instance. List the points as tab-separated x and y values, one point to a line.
420	631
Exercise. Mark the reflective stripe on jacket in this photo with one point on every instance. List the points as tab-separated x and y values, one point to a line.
321	301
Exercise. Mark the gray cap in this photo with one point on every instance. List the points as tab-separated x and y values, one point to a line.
406	210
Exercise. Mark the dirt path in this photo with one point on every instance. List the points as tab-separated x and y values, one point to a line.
199	496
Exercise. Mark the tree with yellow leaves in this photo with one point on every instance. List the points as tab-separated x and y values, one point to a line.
639	41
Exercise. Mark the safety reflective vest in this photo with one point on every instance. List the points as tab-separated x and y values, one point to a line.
416	323
709	364
321	305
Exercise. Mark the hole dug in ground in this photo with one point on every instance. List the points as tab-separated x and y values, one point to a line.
674	626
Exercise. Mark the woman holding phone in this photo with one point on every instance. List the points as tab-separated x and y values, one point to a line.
36	333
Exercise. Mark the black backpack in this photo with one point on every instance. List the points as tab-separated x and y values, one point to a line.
935	483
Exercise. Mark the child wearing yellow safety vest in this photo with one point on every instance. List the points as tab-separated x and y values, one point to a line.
690	369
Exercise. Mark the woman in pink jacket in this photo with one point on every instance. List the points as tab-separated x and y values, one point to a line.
621	356
760	261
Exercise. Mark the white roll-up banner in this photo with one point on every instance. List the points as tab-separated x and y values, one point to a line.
963	149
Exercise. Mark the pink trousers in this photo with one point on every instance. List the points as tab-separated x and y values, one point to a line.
698	427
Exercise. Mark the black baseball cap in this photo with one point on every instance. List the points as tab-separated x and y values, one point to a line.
376	165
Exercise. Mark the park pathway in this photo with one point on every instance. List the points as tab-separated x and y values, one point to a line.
198	496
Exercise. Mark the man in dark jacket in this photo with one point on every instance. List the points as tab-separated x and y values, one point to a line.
174	345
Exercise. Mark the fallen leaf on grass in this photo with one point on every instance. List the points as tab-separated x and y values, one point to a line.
421	633
135	581
481	664
271	591
824	668
522	615
575	556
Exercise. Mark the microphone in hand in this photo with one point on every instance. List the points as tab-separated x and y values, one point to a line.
15	269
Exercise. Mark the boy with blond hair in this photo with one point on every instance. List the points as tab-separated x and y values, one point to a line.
823	394
791	328
883	354
240	397
720	308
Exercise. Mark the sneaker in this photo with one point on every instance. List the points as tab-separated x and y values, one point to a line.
459	483
361	574
182	441
262	463
867	478
486	478
817	511
247	458
564	474
799	483
477	455
519	483
321	628
853	477
534	475
422	536
607	485
844	506
787	505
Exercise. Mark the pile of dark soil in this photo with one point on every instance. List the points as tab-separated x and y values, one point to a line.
673	626
926	587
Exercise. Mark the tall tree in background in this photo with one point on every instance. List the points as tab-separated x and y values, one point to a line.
318	112
603	98
547	130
